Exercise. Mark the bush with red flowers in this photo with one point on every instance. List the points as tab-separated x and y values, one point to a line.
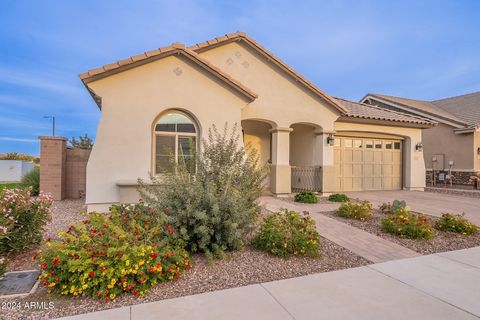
128	251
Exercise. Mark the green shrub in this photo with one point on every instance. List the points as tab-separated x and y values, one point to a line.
408	225
12	185
338	197
285	233
456	223
215	206
32	180
128	251
3	266
22	219
306	197
394	207
360	211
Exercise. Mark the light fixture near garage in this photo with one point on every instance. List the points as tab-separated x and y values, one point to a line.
330	140
419	147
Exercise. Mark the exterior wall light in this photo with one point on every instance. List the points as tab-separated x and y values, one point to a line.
478	150
419	147
330	140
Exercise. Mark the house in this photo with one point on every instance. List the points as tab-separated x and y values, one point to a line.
454	144
164	101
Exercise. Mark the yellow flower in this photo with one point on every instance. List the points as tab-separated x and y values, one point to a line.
112	296
127	263
141	263
85	286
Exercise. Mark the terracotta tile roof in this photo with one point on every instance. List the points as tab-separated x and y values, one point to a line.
366	111
238	36
465	107
146	57
427	107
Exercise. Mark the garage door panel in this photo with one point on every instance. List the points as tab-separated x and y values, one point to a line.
367	164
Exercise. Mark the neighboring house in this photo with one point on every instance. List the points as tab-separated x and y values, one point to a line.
164	101
454	144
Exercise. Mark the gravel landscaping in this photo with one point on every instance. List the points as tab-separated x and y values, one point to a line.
443	241
240	268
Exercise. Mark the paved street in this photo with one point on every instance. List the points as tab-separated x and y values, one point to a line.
439	286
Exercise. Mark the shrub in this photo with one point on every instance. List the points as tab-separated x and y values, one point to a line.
408	225
386	207
128	251
338	197
456	223
215	206
32	180
3	266
285	233
306	197
22	219
360	211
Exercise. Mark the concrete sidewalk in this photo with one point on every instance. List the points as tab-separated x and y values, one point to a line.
439	286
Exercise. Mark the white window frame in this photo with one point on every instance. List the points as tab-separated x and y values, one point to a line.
176	135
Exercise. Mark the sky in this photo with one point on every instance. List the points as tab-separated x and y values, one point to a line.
418	49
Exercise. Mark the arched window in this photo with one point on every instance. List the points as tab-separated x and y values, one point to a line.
175	139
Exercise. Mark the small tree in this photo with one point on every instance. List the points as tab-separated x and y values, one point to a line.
83	142
214	206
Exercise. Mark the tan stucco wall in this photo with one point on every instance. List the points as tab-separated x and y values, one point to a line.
413	163
302	145
281	99
257	134
476	145
455	147
131	101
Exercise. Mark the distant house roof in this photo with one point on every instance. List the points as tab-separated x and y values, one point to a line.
462	110
367	111
465	107
176	48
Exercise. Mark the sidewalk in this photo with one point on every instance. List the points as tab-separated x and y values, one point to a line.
362	243
439	286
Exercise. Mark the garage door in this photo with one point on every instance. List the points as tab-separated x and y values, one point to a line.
367	164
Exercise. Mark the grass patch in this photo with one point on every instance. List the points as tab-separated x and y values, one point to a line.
10	185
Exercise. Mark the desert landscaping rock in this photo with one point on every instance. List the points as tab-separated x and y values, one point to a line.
238	268
443	241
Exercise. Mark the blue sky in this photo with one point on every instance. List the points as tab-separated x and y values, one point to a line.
419	49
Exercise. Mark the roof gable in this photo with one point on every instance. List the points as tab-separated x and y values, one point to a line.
150	56
426	109
366	111
240	36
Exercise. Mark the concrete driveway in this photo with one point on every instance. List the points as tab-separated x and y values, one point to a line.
425	202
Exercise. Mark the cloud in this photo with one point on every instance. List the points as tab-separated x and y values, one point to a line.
13	139
46	80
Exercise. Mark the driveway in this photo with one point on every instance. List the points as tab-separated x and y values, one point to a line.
425	202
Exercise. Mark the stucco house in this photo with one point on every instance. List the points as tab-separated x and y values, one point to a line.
454	144
167	99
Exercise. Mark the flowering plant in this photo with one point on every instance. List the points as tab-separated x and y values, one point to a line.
456	223
409	225
22	219
128	251
285	233
360	211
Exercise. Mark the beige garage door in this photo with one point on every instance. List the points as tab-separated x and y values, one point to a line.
367	164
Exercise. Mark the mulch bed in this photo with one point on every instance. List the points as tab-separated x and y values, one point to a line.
239	268
443	241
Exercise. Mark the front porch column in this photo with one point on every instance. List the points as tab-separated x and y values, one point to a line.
280	173
323	157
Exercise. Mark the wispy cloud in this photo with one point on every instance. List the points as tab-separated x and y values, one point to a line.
45	80
13	139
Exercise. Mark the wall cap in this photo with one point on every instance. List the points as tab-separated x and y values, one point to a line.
52	138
